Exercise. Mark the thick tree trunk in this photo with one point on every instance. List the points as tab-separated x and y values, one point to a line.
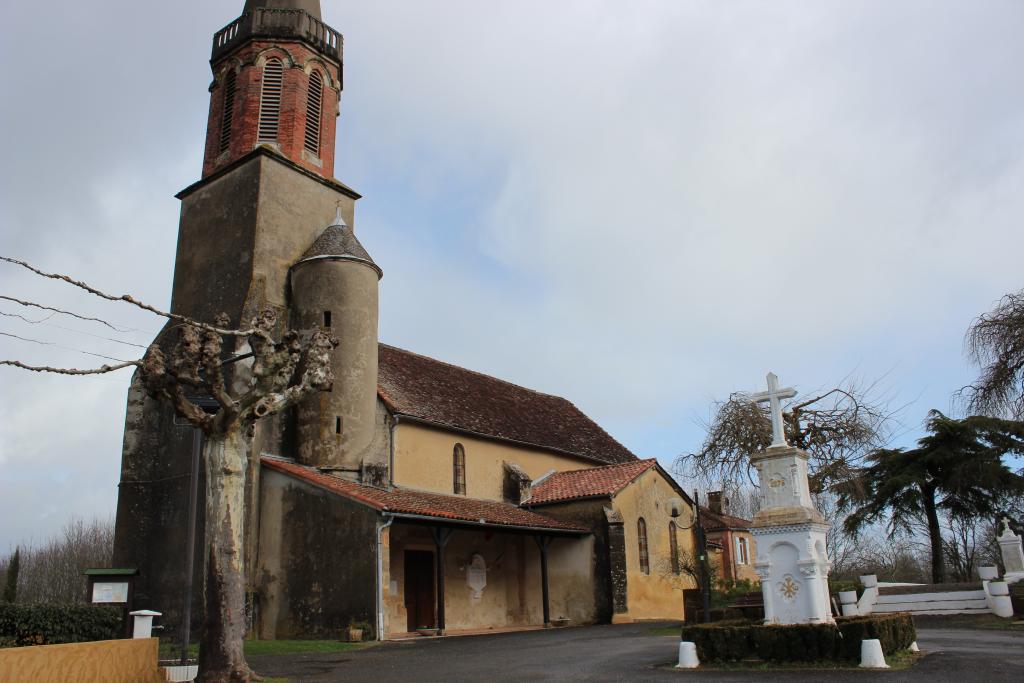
934	534
221	657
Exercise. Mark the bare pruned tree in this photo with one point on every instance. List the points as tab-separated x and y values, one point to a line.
995	343
837	427
282	367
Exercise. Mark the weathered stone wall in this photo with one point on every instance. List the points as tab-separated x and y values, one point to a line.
316	569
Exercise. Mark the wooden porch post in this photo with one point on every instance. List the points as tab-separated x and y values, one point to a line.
441	538
543	542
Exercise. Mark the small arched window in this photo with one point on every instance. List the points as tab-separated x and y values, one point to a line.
673	547
641	533
228	114
270	100
314	112
459	470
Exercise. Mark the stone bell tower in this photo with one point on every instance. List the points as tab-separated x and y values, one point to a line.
265	195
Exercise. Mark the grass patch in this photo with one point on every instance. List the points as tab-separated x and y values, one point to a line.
899	661
671	630
255	648
298	647
983	622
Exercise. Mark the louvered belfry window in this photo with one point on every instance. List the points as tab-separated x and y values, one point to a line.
641	532
314	112
270	100
230	86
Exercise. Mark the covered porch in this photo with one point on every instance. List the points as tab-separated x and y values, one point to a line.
443	576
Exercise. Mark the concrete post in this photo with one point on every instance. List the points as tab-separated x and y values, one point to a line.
143	623
871	656
848	600
687	656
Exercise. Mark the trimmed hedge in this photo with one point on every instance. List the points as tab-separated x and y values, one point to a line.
731	641
52	624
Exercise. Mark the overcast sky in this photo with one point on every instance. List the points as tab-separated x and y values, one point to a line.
639	206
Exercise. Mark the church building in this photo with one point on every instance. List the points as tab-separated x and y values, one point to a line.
415	495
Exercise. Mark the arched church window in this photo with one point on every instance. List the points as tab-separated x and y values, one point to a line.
270	100
641	533
673	547
459	469
230	86
314	112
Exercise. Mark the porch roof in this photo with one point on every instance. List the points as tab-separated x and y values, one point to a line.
425	506
591	483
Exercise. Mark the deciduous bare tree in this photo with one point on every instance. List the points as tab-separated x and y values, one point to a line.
995	342
284	367
837	427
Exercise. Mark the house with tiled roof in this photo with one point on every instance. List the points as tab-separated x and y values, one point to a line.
414	494
734	561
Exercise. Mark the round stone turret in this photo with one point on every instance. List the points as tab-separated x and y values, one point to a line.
335	285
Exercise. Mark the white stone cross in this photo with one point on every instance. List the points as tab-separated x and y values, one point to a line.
772	396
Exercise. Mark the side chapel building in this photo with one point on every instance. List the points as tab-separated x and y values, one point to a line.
415	493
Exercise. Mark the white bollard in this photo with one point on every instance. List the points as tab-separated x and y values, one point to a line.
143	623
871	656
687	656
988	573
914	647
999	599
848	599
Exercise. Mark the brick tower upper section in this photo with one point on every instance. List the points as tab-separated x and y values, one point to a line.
277	80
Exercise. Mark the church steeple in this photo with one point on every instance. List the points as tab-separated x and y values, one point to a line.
277	82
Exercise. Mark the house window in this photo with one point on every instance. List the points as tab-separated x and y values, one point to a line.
673	546
314	111
741	551
230	86
459	469
641	532
270	100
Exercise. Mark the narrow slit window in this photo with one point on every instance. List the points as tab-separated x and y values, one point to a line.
459	470
314	112
327	318
645	560
673	547
270	100
337	425
230	87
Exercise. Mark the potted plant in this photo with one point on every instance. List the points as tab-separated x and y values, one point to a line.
426	630
357	631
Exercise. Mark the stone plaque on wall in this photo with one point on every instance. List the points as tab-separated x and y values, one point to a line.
476	576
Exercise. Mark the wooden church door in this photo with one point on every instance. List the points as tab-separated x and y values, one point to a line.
419	589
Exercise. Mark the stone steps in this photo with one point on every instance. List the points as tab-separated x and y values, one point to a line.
952	602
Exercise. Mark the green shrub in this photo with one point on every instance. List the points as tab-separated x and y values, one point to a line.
731	641
51	624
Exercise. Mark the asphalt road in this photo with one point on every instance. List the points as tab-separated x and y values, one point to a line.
624	653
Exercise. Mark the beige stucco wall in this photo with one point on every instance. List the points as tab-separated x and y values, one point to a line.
512	597
105	661
423	460
657	595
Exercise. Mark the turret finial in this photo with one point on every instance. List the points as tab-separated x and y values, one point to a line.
339	220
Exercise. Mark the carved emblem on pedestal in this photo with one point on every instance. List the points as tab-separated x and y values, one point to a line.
788	588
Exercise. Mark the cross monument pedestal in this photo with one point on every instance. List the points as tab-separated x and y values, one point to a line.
790	533
1013	553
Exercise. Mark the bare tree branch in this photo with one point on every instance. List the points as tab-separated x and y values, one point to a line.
995	343
31	304
127	299
71	371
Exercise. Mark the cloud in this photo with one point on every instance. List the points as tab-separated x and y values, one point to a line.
639	206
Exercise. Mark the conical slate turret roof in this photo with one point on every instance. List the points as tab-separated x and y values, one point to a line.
311	6
338	241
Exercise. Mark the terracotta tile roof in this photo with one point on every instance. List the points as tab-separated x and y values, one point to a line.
450	396
405	501
713	521
599	481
